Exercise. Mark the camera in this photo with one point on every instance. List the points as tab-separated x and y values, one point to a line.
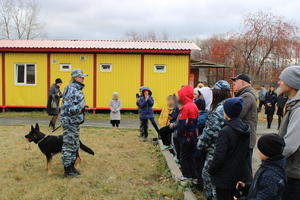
137	95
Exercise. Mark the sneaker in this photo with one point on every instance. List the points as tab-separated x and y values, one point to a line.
145	139
165	148
184	179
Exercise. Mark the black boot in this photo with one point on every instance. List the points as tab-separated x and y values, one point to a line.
69	172
74	169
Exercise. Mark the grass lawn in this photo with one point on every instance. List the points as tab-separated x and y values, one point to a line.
123	168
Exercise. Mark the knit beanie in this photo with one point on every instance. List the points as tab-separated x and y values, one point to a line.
271	145
291	76
233	107
200	103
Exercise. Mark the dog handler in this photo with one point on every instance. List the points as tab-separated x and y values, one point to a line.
72	115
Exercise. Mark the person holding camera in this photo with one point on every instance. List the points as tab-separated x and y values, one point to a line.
72	115
145	103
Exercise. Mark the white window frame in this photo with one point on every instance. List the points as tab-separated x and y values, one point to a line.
65	64
158	71
25	74
102	70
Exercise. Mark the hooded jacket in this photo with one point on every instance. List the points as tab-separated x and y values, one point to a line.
186	128
206	92
229	164
289	130
145	106
249	112
269	180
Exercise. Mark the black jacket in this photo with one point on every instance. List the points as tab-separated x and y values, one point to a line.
229	164
271	99
281	101
269	180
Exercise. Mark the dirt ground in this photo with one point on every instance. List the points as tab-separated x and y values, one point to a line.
123	167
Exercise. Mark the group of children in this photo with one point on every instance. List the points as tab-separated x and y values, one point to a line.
202	128
210	142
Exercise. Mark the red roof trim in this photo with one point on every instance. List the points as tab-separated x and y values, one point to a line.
91	50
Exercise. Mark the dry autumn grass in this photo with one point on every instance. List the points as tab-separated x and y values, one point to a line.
123	168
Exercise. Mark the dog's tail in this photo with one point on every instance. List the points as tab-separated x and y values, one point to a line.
86	149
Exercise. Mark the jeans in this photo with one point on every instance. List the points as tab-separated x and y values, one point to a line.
292	189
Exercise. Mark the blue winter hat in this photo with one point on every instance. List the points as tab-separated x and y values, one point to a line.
233	107
221	85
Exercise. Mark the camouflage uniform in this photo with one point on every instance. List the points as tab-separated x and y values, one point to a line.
207	142
72	115
208	139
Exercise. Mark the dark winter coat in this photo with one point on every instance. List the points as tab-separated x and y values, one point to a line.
53	100
281	101
229	164
269	180
249	112
271	99
187	130
145	106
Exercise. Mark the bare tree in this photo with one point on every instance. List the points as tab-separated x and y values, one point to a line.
150	35
19	19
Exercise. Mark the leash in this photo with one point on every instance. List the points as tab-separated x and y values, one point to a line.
56	129
48	134
42	139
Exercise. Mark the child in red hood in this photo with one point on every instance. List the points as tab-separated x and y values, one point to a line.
187	131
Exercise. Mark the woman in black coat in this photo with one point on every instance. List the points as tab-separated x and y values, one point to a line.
271	100
281	101
53	102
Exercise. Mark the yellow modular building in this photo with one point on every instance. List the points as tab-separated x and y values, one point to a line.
29	67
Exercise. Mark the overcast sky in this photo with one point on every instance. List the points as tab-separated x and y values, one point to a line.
111	19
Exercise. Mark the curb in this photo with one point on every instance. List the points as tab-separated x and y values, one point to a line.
175	171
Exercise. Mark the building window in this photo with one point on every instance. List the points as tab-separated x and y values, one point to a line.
25	74
160	68
105	67
65	67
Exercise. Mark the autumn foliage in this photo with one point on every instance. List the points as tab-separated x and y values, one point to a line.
265	45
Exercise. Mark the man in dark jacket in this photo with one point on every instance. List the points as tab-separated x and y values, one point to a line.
271	100
243	88
281	101
289	129
229	164
270	178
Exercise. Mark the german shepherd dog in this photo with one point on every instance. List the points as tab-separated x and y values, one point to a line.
51	145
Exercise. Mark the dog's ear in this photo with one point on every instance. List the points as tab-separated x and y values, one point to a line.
32	129
37	127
